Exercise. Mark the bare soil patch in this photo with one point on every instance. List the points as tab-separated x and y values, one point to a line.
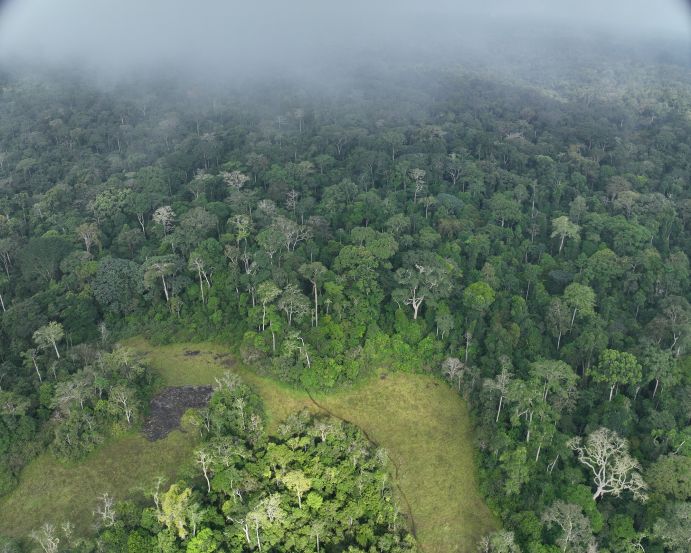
168	406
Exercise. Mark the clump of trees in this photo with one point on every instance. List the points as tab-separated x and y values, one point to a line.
318	485
85	395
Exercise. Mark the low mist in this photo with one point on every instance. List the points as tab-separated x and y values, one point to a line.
234	40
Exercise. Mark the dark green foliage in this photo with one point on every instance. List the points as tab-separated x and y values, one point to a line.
39	260
117	285
530	244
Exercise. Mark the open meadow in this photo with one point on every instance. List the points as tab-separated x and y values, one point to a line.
422	423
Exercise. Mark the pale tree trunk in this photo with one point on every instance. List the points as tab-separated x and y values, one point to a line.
598	493
551	466
165	287
246	531
40	379
140	218
201	283
2	304
416	306
501	400
55	347
256	532
208	483
611	391
307	357
530	423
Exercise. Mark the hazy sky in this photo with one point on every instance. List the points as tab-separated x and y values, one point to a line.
264	35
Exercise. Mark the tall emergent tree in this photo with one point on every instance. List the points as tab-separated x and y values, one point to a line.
49	335
613	468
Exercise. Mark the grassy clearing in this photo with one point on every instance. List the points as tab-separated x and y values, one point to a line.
423	424
51	491
425	428
178	368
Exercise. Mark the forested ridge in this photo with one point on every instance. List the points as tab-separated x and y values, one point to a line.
528	244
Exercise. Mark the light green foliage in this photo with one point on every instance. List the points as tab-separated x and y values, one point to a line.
261	507
501	541
48	336
580	298
515	468
616	368
294	304
671	475
175	504
558	378
583	497
477	297
563	228
424	277
203	542
661	368
674	529
297	483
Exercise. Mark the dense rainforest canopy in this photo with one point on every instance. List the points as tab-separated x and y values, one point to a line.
525	241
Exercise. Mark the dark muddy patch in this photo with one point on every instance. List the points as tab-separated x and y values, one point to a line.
168	406
192	353
225	359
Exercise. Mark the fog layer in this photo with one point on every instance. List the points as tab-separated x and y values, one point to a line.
262	37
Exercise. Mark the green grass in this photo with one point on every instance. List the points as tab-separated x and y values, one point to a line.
177	368
422	423
424	426
51	491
